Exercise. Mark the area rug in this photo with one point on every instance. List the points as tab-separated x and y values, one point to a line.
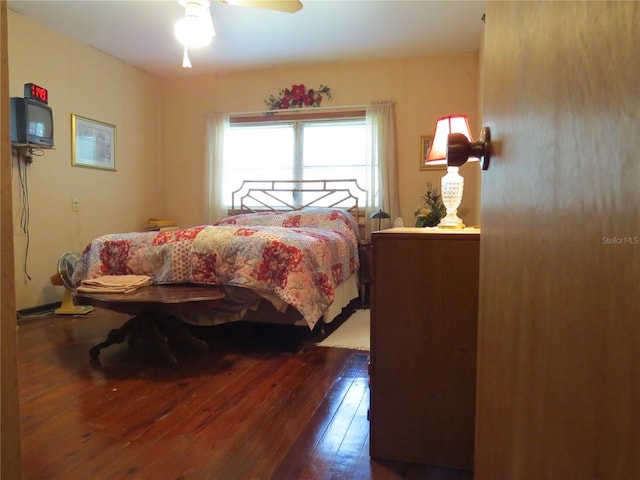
353	333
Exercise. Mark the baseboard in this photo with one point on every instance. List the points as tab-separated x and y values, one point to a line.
37	311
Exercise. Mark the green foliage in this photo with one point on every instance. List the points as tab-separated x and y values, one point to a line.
432	209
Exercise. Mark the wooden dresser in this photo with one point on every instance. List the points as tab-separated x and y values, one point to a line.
424	309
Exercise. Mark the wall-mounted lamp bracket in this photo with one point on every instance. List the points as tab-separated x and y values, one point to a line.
460	149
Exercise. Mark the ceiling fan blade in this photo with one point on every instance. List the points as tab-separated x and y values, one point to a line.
289	6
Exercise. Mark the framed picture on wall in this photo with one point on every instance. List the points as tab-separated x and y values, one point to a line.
425	146
93	143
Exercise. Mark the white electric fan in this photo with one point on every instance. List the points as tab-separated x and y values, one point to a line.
66	264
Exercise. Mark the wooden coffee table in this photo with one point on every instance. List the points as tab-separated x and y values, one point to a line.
154	322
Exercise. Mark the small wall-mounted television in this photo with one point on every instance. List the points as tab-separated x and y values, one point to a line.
31	122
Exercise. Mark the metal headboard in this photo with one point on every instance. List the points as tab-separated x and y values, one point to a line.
255	196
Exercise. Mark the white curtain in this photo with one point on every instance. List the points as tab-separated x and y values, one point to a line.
382	162
214	207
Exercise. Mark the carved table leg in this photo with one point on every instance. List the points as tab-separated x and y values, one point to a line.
156	330
118	335
148	332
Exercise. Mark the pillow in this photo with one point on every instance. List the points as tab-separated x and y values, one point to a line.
324	218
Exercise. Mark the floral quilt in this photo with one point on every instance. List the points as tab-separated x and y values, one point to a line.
298	256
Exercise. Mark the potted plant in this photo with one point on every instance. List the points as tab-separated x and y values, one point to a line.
432	209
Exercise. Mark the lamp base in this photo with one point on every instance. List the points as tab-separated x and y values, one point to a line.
451	221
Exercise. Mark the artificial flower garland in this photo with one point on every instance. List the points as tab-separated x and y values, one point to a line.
297	97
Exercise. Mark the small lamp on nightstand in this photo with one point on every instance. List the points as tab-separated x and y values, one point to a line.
379	215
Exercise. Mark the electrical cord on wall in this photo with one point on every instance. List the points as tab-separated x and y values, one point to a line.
23	162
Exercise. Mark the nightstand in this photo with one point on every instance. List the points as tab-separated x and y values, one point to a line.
424	315
364	274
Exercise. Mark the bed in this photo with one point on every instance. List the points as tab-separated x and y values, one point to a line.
287	253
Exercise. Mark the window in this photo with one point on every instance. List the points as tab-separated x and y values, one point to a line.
291	149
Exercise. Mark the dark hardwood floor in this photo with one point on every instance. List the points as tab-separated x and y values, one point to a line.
264	403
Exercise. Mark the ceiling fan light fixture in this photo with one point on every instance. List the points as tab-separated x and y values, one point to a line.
186	63
195	29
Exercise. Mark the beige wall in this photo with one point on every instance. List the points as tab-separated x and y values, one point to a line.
85	82
160	143
423	90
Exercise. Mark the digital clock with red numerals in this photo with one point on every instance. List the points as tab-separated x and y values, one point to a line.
33	91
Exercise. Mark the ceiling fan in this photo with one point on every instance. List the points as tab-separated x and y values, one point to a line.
196	30
289	6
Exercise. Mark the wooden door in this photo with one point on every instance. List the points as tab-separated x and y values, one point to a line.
10	466
559	325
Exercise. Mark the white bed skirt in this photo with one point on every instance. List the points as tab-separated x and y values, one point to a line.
346	292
